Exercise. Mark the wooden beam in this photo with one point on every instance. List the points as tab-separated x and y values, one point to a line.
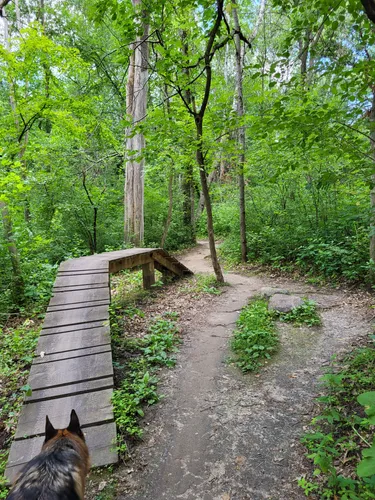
129	262
148	275
167	263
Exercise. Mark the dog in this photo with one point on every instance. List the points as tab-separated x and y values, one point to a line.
59	471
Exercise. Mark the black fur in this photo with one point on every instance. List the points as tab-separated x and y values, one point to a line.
49	476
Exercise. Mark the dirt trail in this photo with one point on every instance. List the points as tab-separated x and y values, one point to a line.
219	435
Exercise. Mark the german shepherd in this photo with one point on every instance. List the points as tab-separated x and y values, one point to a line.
59	471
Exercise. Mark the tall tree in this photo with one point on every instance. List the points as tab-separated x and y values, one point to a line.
241	130
136	102
18	288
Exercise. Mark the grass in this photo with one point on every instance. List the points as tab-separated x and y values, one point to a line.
341	431
127	287
303	315
203	284
17	344
255	338
136	364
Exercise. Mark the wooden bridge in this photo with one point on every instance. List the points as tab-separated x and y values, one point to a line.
72	367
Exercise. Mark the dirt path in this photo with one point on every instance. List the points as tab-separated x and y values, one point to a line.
219	435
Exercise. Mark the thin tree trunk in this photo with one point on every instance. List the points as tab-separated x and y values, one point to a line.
188	181
207	200
18	294
18	283
136	100
210	179
372	192
241	132
170	208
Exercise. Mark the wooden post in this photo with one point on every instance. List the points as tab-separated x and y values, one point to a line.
148	274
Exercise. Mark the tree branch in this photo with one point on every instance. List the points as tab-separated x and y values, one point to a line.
207	57
3	3
369	6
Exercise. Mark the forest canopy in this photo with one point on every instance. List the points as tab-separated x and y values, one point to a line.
153	123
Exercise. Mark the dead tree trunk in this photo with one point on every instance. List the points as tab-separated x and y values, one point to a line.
136	101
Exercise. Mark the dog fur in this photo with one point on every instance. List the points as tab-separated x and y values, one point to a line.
59	471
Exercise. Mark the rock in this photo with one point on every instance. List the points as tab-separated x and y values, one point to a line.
267	291
284	303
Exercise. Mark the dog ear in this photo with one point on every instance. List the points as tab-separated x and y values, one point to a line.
50	431
74	426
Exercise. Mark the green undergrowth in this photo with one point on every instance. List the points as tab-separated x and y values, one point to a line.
127	287
255	338
136	363
17	344
342	431
199	284
305	314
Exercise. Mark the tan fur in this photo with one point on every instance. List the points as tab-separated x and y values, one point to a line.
60	469
81	448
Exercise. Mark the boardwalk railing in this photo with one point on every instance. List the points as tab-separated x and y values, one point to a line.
72	368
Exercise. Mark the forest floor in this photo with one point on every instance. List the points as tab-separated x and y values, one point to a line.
221	435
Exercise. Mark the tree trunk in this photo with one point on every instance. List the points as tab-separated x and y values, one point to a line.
369	6
372	192
170	208
210	179
207	199
188	181
136	101
18	294
241	132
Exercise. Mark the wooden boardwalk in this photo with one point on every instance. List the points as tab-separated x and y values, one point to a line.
72	367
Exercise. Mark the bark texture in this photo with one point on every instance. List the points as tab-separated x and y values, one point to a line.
170	209
241	137
18	283
369	6
136	101
372	193
198	118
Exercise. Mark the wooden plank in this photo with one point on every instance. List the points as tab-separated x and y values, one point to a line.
63	289
167	263
129	262
92	408
76	316
167	273
100	440
69	390
69	371
120	254
84	264
76	297
73	328
78	305
78	353
148	274
81	280
69	341
80	272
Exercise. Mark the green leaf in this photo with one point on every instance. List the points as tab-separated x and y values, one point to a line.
366	467
367	399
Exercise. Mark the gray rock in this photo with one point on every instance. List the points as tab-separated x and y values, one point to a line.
267	291
284	303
